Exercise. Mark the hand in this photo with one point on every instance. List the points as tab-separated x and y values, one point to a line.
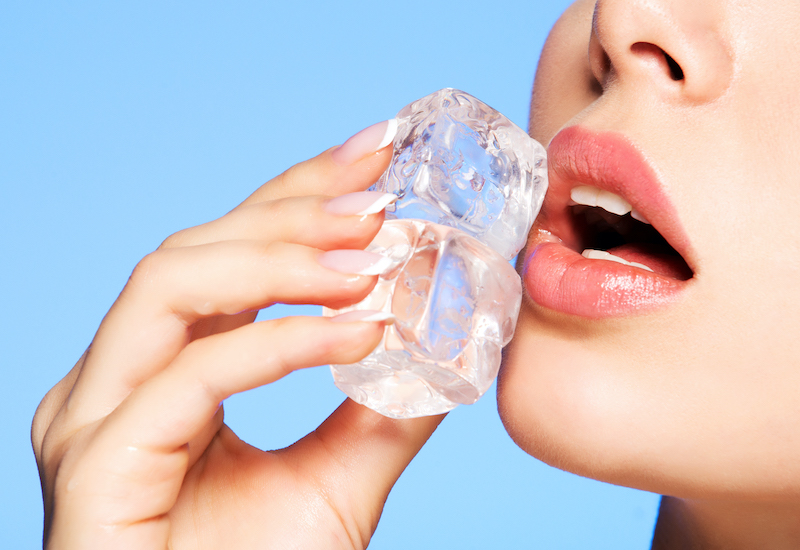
131	445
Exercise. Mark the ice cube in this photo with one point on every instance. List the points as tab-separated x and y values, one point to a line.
470	184
456	303
460	163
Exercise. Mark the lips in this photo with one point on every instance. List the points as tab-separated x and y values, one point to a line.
636	256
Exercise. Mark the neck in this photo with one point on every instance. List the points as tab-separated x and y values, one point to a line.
713	525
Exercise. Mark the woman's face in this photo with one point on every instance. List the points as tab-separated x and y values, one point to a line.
684	380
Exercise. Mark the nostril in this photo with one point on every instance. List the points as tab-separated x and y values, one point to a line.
599	61
675	70
646	50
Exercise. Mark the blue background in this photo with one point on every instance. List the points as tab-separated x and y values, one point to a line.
120	124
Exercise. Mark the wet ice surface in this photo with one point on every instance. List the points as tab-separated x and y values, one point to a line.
456	303
460	163
470	184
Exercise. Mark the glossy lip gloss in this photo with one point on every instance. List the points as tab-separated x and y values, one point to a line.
555	275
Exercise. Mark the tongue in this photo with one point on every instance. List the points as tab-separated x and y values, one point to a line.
656	258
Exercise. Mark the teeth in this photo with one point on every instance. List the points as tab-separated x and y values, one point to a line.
613	203
636	215
583	194
603	255
591	196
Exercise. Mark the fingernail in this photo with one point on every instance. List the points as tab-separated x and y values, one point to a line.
369	140
360	203
357	262
364	315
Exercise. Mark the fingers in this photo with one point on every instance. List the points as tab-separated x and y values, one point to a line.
168	410
134	462
48	409
354	166
148	338
151	322
225	278
159	389
349	221
194	278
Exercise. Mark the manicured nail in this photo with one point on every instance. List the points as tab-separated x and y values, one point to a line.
364	315
360	203
369	140
357	262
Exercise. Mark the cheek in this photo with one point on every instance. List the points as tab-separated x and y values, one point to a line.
564	83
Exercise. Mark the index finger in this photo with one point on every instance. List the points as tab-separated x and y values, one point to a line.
353	166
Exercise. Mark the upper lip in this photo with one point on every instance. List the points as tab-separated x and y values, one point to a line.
608	161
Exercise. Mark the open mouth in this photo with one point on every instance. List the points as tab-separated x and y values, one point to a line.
608	241
610	229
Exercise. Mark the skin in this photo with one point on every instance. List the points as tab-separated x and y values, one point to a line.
695	400
132	448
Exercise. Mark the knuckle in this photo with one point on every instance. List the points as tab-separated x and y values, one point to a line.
58	440
276	208
291	179
282	325
50	406
52	448
175	240
147	270
42	419
270	250
298	179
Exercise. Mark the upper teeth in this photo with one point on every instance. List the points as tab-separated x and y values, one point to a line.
592	196
636	215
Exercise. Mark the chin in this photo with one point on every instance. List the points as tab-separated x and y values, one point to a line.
557	400
602	400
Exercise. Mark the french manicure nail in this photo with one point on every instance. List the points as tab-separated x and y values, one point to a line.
357	262
360	203
369	140
364	315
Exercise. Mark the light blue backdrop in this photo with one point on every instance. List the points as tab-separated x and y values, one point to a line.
122	124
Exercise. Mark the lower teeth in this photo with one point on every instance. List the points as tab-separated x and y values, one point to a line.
603	255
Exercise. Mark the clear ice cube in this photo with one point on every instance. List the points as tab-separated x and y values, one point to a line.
470	184
456	303
460	163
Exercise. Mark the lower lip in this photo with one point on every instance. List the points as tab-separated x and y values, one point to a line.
560	279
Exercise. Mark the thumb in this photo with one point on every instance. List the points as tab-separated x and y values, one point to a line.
366	453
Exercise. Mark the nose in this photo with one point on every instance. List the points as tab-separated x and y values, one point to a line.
680	47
